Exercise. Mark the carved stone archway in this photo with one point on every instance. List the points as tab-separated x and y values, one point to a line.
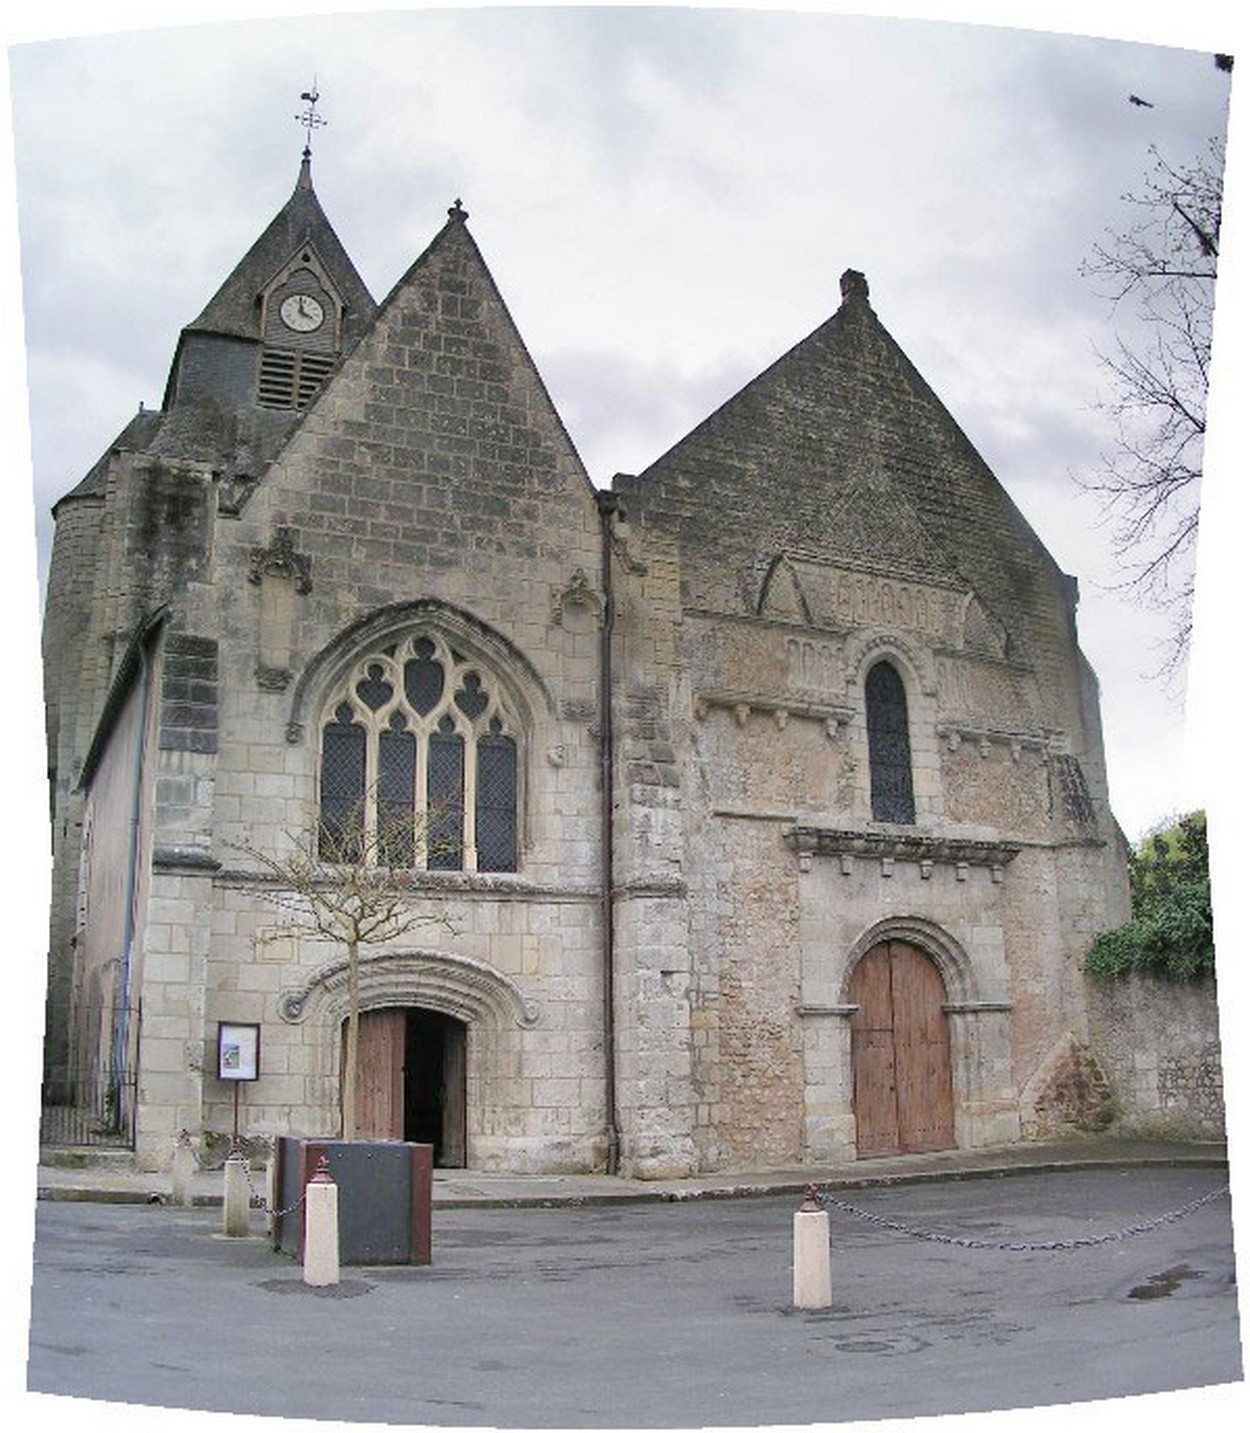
985	1099
492	1007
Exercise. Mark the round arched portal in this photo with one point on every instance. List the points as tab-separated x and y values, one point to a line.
900	1052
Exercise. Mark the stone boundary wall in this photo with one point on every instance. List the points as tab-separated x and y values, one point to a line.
1158	1043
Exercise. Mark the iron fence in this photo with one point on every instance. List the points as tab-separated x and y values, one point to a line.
88	1097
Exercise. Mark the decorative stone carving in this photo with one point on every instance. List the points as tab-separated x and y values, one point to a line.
273	679
280	559
454	984
578	608
233	493
865	648
954	734
782	709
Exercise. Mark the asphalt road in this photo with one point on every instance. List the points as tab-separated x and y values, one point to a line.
656	1315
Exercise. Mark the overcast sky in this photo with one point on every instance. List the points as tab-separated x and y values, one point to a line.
667	199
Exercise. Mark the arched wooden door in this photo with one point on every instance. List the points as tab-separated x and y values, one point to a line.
900	1053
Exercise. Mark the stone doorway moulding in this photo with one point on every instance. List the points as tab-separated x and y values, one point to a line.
900	1053
487	1005
984	1101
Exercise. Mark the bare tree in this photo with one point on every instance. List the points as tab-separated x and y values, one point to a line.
1159	274
349	879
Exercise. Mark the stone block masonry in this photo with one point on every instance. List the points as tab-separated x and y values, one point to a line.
189	694
1159	1043
654	924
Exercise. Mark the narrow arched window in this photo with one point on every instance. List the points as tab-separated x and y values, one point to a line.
419	763
889	746
496	800
342	787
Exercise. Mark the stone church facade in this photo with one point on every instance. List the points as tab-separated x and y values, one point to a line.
754	809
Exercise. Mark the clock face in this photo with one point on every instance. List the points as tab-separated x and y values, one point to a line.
302	312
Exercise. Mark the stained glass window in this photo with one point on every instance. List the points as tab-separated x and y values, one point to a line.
423	678
496	801
420	762
342	787
889	746
445	798
397	772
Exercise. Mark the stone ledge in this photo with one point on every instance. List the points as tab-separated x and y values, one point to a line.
179	858
485	884
902	846
954	734
781	709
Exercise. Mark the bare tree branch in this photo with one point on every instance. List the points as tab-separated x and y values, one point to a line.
343	883
1159	275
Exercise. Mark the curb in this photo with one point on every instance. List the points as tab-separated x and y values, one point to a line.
644	1194
799	1187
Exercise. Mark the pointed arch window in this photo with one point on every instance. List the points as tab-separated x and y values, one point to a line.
419	763
889	746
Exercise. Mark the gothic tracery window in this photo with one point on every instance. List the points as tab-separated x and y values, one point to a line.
419	763
889	746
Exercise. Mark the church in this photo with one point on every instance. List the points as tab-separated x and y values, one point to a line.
750	812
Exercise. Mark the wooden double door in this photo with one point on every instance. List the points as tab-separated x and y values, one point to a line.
410	1080
900	1053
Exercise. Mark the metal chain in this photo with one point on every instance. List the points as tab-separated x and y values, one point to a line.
184	1142
1088	1241
258	1200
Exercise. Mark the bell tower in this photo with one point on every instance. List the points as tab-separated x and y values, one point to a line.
293	305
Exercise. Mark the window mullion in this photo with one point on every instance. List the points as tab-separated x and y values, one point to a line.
420	809
470	803
370	813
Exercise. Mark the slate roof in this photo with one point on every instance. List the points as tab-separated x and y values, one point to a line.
233	311
136	436
242	438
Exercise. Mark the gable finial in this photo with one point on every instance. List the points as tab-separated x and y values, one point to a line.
854	285
309	118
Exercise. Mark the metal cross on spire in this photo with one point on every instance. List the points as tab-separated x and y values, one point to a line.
309	118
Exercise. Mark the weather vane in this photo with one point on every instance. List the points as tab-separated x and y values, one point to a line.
310	119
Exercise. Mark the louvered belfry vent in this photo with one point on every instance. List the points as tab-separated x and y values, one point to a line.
290	379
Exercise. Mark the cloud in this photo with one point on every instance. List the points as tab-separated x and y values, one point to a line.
666	199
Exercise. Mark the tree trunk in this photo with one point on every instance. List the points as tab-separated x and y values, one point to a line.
350	1055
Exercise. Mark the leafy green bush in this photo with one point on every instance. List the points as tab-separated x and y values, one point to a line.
1171	934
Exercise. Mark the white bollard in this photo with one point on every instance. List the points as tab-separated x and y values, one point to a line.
321	1228
236	1199
181	1170
271	1190
813	1272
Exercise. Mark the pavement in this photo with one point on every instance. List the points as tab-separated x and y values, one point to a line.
110	1177
1110	1279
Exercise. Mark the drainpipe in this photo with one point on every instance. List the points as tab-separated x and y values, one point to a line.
121	1030
609	504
